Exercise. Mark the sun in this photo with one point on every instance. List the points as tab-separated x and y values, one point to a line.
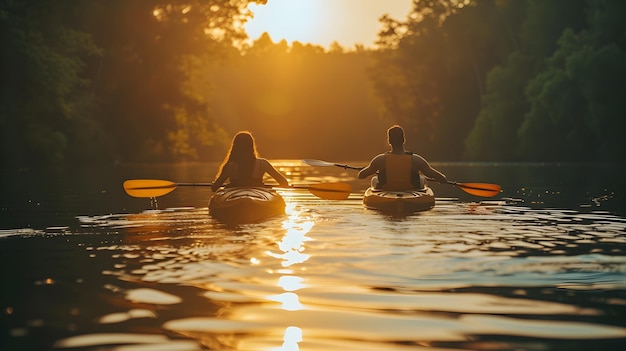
323	22
292	20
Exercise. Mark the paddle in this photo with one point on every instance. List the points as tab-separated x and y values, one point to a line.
326	164
156	187
477	189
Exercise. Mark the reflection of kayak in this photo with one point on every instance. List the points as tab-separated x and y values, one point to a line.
399	202
246	204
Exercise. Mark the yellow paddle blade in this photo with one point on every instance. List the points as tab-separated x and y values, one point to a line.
331	191
480	189
148	187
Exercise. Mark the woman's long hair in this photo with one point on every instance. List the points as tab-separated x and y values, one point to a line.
243	153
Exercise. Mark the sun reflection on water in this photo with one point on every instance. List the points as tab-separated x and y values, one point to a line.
289	301
290	282
292	247
293	335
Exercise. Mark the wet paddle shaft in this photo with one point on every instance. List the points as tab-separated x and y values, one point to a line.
148	188
477	189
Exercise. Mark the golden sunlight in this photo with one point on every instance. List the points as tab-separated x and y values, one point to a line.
292	20
323	22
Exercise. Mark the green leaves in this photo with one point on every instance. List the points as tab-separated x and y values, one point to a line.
557	97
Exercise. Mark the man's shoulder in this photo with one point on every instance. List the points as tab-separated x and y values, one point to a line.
379	157
418	158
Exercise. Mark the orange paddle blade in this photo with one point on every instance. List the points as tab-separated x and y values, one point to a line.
480	189
148	187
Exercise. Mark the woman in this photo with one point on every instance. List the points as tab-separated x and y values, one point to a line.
243	166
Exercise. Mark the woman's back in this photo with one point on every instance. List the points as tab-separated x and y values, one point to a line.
242	174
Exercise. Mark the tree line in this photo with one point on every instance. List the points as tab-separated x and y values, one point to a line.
516	80
155	80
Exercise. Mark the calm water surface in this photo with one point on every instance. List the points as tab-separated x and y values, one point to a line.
541	267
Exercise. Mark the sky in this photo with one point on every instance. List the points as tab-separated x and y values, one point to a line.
322	22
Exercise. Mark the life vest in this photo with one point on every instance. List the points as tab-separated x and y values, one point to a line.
398	173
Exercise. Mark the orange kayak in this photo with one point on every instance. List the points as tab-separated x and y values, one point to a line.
399	202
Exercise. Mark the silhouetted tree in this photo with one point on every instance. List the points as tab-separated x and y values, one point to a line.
46	102
84	80
302	101
152	78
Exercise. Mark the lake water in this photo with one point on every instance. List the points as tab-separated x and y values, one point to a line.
540	267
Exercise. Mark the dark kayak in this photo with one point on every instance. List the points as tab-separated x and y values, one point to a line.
246	204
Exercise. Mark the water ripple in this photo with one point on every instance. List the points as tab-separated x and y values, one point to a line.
337	277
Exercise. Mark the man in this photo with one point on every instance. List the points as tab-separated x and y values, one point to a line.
399	169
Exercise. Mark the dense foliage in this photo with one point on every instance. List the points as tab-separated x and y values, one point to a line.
509	80
104	80
158	80
559	96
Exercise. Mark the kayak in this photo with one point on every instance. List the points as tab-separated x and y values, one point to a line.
399	202
246	204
